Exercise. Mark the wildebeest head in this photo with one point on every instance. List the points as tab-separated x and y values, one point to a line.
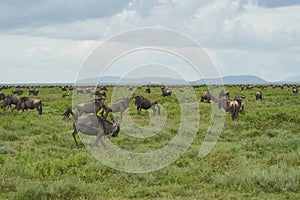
138	100
115	129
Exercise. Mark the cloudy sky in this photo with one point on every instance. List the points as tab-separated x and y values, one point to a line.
49	40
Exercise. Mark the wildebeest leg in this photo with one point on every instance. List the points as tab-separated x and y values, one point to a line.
99	137
139	110
74	135
106	114
153	108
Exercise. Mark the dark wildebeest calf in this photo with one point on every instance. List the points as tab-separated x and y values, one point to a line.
145	103
93	125
119	106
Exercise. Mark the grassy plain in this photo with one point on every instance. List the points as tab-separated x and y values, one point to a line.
256	157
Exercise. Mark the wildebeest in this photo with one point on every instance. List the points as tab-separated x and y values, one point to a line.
208	97
103	88
223	104
118	106
147	90
233	106
33	91
2	96
66	95
9	100
18	91
93	125
90	107
258	95
239	99
100	94
145	103
224	93
234	109
165	92
26	103
295	90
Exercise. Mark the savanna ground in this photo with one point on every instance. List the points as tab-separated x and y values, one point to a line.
256	157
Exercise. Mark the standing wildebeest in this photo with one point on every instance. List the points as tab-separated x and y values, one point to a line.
18	91
90	107
33	91
258	95
148	89
93	125
295	90
234	109
26	103
223	103
165	92
208	97
145	103
100	94
2	96
9	99
119	106
224	93
233	106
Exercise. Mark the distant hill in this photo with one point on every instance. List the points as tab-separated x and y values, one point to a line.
243	79
294	79
246	79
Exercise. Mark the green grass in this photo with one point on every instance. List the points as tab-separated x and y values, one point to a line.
256	157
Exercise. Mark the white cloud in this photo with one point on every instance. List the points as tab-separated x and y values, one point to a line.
241	36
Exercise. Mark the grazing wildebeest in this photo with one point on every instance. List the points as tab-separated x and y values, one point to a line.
239	99
145	103
26	103
148	89
90	107
103	88
249	87
100	94
295	90
35	92
234	109
18	91
165	92
119	106
80	91
224	93
208	97
223	104
93	125
66	95
2	96
258	95
9	99
233	106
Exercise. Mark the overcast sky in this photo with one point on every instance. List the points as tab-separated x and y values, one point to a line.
48	40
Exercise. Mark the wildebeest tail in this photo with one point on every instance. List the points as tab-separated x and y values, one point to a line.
40	108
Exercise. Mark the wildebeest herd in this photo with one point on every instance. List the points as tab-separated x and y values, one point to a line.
89	122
